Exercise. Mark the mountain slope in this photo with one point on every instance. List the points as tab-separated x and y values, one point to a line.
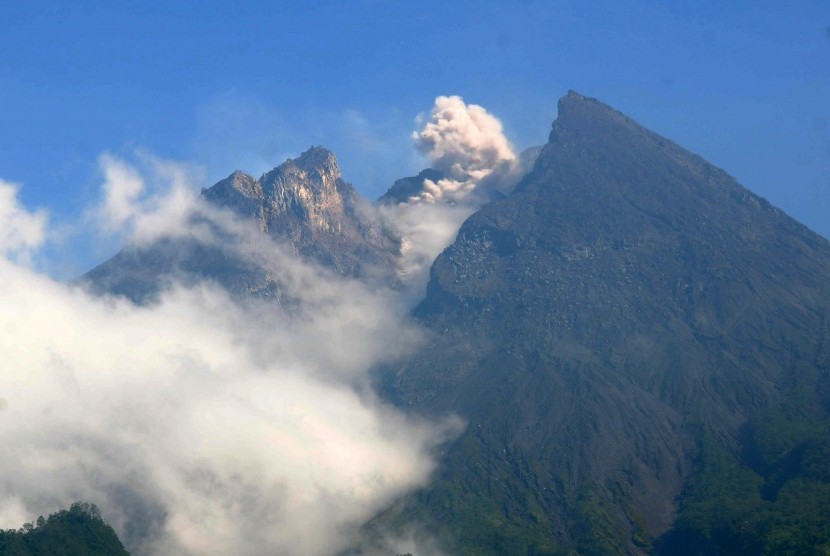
625	298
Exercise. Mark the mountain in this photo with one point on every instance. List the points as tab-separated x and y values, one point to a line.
617	331
304	204
637	343
404	188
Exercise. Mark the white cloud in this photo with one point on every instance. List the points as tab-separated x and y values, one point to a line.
21	231
144	208
426	229
197	424
122	188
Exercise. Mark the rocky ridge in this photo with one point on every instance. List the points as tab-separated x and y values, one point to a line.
304	204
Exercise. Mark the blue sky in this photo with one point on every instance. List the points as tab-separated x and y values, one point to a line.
226	85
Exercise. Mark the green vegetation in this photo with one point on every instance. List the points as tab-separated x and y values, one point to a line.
78	531
773	499
596	531
481	512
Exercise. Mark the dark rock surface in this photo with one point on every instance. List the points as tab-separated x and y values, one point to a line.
624	295
622	305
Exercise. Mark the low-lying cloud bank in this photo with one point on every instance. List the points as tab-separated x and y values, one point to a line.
197	424
202	424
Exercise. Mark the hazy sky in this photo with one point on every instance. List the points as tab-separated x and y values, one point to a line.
226	85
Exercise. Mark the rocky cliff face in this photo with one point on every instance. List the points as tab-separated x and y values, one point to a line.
303	204
624	297
306	203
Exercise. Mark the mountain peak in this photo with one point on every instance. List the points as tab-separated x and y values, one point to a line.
239	191
244	183
306	201
624	297
589	116
318	159
314	177
303	203
574	100
587	131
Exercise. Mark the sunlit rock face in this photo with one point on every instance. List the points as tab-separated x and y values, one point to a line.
306	202
304	205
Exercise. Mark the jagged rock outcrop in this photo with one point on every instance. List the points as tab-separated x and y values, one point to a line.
625	296
306	203
303	204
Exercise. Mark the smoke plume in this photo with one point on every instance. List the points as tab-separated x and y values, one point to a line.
464	142
467	145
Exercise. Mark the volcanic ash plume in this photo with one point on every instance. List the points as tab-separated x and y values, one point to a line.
464	142
467	147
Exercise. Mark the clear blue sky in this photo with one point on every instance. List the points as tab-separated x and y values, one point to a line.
229	85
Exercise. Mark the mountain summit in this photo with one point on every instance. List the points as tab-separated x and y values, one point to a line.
303	204
625	307
306	202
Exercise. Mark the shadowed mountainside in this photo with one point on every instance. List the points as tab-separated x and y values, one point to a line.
624	301
638	344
